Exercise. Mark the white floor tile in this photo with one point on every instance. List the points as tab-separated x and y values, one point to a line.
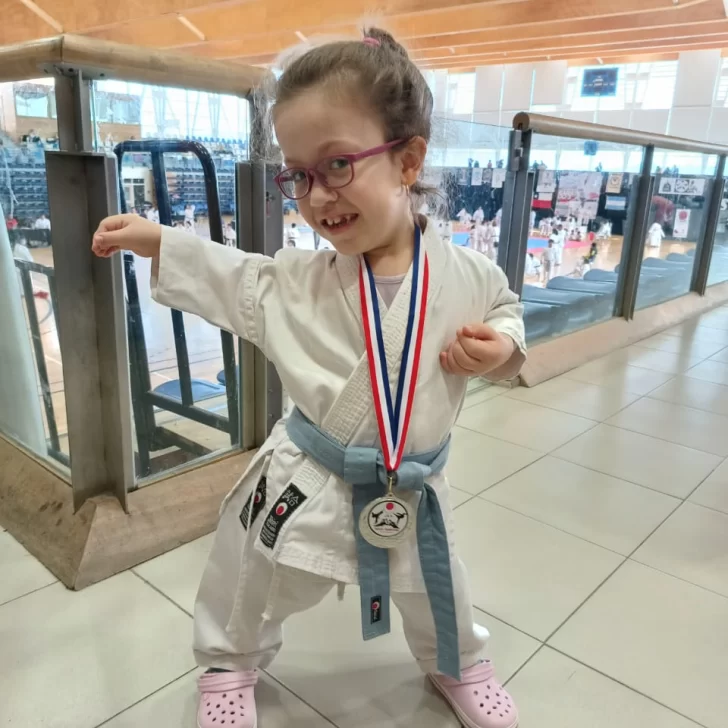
177	573
710	371
621	377
482	394
713	493
661	361
598	508
576	398
691	330
656	464
716	319
458	497
92	654
20	573
682	425
554	691
721	356
524	572
477	461
695	393
536	428
374	683
661	636
175	706
697	348
692	545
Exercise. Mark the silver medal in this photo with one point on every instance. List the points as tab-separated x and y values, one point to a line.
386	522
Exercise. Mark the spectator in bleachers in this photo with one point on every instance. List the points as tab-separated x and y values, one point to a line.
42	223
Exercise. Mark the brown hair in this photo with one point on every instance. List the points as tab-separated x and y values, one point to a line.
377	71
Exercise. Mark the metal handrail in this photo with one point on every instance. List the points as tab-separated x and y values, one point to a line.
554	126
105	59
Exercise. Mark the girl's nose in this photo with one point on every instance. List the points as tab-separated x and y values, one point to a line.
321	195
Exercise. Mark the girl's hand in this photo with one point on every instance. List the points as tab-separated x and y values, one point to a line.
127	232
477	350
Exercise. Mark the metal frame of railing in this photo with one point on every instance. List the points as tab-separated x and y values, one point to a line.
150	436
89	292
520	185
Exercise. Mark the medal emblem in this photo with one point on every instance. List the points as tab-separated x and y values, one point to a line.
389	521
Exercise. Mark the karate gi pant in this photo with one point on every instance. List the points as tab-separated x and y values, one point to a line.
270	593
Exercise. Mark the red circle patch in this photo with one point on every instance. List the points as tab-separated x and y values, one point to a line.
390	506
375	606
281	509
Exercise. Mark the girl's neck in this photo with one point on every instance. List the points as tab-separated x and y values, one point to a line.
395	257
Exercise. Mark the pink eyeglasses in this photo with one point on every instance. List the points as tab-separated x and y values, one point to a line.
333	172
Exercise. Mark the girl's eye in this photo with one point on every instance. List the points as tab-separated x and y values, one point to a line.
297	175
338	163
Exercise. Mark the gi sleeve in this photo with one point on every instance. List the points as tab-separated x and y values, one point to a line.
504	313
220	284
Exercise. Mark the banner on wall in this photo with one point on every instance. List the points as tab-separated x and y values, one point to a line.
615	203
593	186
589	210
463	176
682	223
682	186
499	177
614	184
546	181
477	178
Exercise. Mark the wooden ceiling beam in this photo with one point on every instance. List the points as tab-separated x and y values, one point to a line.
697	17
545	44
330	15
606	56
641	39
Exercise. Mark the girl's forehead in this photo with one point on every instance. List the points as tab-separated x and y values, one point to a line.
311	126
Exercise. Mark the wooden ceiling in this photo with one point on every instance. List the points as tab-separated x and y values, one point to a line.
441	34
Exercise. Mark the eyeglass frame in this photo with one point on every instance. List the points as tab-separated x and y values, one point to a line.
313	174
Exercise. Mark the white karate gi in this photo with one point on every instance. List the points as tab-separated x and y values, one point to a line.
302	310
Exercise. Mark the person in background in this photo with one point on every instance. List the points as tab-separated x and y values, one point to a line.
655	235
230	235
532	267
153	214
293	237
42	223
559	245
479	216
464	217
547	259
190	217
11	223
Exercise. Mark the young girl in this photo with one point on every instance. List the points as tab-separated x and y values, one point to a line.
374	342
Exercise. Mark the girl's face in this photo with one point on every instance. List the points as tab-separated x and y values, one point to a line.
373	211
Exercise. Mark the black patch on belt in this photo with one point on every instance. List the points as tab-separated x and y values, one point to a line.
258	500
376	609
290	500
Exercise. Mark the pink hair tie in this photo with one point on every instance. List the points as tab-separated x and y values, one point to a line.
371	42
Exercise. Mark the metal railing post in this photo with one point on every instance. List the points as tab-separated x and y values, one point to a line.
517	198
634	238
704	250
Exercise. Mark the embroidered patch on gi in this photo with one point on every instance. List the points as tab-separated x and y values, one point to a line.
376	609
258	500
290	500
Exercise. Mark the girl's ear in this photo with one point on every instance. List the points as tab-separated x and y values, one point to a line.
413	160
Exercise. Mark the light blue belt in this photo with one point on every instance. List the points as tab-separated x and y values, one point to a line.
363	468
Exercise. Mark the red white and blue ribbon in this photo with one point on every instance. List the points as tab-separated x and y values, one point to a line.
393	410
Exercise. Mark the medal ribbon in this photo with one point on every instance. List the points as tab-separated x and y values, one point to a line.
393	415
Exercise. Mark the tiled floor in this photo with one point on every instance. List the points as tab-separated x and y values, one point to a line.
592	514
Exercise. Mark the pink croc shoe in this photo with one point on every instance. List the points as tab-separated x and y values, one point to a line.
227	700
479	700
